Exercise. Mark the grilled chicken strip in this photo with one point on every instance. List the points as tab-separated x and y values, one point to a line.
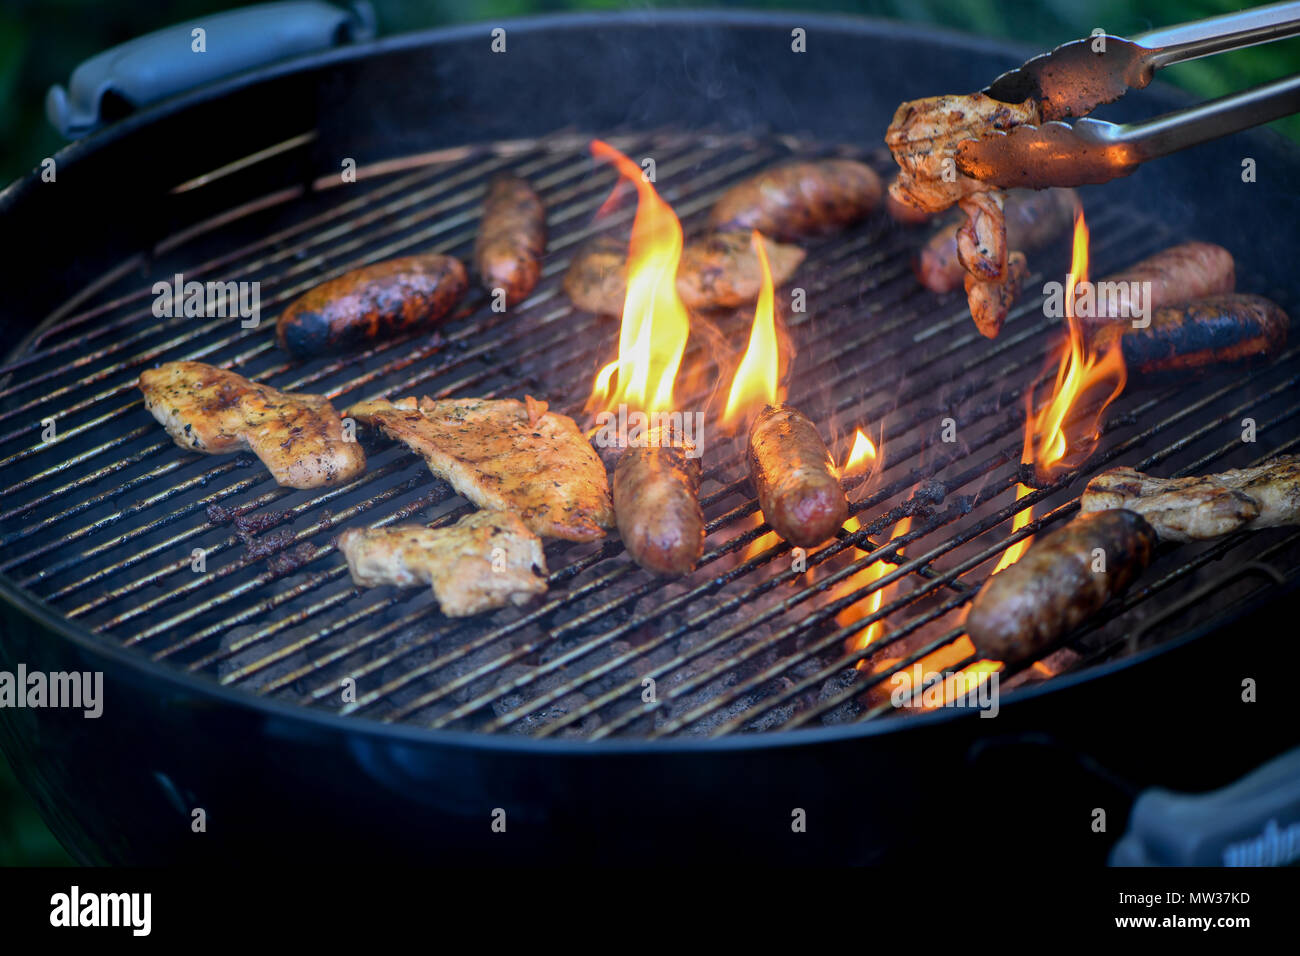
484	561
298	437
990	302
923	137
717	271
505	456
1204	506
1032	219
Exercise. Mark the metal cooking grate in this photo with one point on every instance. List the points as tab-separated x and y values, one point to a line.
102	521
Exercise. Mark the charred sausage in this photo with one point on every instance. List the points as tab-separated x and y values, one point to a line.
657	503
809	198
511	238
1229	329
1181	273
1023	610
1033	219
790	467
369	305
718	270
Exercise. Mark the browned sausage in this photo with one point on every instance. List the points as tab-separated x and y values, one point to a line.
511	238
1191	338
1181	273
369	305
809	198
791	469
657	504
1025	609
719	270
1033	219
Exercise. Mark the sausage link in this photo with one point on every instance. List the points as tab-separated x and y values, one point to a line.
1025	609
1033	219
369	305
657	504
791	469
1181	273
1218	330
719	270
800	199
511	238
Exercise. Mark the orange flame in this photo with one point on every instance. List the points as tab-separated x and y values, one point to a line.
652	338
952	686
861	455
757	377
1079	370
873	602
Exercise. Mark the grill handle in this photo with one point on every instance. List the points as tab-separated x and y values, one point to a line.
163	63
1253	822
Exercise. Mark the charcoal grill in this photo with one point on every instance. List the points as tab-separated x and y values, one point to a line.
226	685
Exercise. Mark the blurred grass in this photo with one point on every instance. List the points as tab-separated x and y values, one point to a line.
41	41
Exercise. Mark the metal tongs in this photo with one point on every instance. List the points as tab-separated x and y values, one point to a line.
1074	79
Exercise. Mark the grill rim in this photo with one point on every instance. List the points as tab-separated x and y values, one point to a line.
103	648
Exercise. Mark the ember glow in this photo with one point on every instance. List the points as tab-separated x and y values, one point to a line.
873	602
652	338
1079	371
756	381
861	459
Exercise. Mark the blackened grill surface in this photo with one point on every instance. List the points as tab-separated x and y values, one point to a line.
105	520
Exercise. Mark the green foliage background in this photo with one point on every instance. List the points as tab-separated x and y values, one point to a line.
41	41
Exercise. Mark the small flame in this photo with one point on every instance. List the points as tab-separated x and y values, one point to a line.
652	338
861	456
955	684
757	377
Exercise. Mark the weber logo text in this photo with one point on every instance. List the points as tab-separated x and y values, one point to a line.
75	908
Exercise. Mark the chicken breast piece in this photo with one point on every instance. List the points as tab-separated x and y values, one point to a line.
923	138
1204	506
506	456
484	561
298	437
